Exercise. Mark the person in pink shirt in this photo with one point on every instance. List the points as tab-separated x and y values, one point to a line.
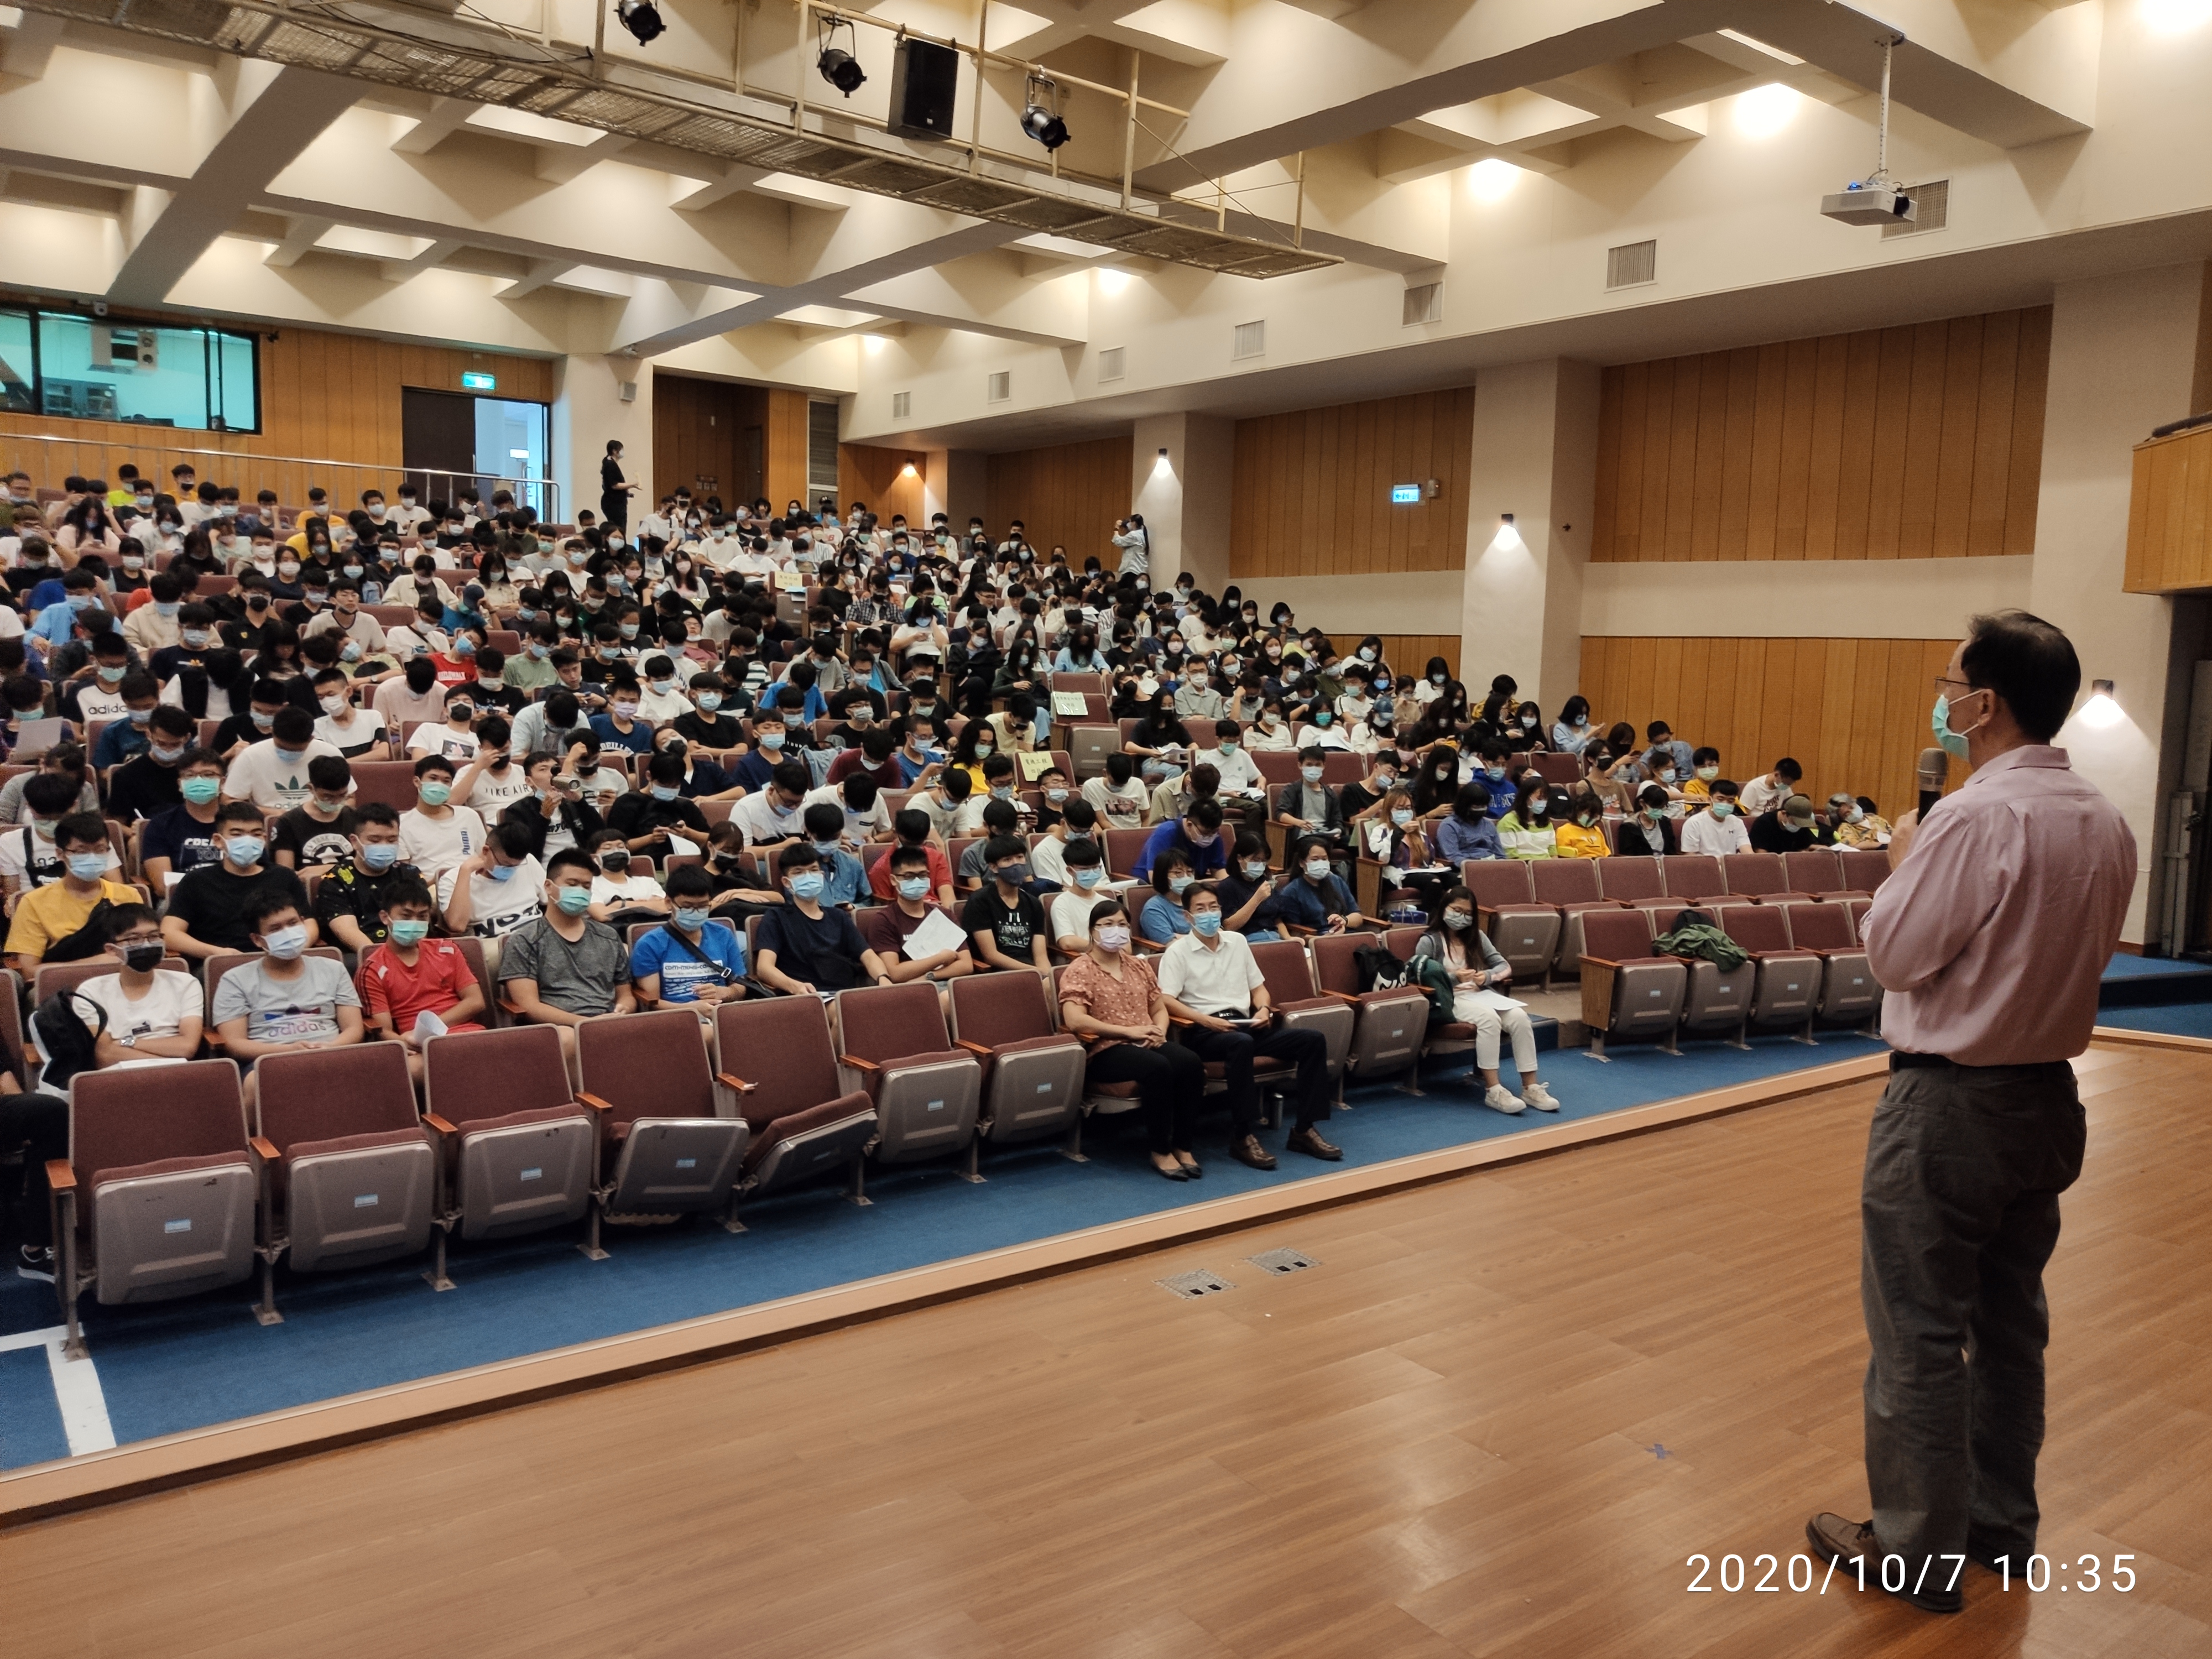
1990	937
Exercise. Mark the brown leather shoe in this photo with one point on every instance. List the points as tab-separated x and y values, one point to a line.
1247	1149
1834	1539
1310	1142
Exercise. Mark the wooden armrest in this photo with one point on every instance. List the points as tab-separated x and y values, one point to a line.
1343	996
1599	962
432	1121
507	1004
593	1101
731	1080
1177	1019
975	1048
858	1064
265	1150
61	1175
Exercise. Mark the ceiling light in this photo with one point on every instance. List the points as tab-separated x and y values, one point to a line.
1764	111
2175	16
1492	180
2103	709
837	65
1113	281
1039	113
642	18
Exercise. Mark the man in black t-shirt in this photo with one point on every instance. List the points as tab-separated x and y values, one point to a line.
1005	920
146	786
800	947
319	831
644	817
208	912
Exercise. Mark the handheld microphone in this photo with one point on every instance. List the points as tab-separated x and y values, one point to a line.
1934	772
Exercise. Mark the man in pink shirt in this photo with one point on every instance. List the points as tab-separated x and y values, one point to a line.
1990	937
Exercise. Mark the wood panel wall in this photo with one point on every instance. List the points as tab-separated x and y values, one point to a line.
1853	712
324	397
2170	514
1066	494
1916	442
866	472
785	449
1406	653
700	438
1312	489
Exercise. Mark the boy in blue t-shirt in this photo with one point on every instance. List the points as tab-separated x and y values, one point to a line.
691	960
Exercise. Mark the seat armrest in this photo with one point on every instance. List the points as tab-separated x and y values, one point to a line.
61	1175
1599	962
593	1101
265	1150
432	1121
858	1064
1343	996
731	1080
975	1048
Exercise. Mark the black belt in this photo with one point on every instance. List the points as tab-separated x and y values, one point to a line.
1904	1060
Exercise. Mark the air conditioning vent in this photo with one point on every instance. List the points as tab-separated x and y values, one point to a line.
901	405
1001	387
1632	266
1113	363
1251	341
1425	304
1932	210
822	445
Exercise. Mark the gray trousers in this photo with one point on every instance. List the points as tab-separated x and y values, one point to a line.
1960	1211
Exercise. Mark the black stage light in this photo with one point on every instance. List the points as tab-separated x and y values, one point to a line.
840	65
642	18
1039	119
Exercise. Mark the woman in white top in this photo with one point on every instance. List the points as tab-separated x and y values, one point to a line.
1478	976
1323	730
1271	731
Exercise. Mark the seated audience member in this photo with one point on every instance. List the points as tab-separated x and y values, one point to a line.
1865	830
1762	795
64	760
1248	892
1468	830
146	786
692	960
974	869
1790	827
1653	831
1704	767
874	758
769	817
564	967
998	785
646	820
739	888
1474	964
1241	789
410	974
1318	902
181	840
355	732
319	831
1210	979
1581	826
490	781
493	891
1197	834
1359	798
756	768
272	774
1069	923
209	908
619	895
454	738
554	814
941	800
57	913
1719	829
1163	917
887	927
867	814
435	835
153	1018
285	1000
31	856
1307	807
352	896
1109	998
1076	822
844	881
711	721
1005	921
803	947
127	735
1120	797
911	829
1526	831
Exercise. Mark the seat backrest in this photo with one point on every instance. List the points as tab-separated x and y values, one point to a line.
467	1075
1865	868
1692	876
1122	846
390	782
118	1121
1819	927
1340	767
219	966
11	1024
1617	935
1287	970
1555	767
1498	881
995	1008
1335	968
55	977
1564	881
1631	878
1815	870
1753	874
1400	941
780	1045
1279	766
319	1094
647	1065
471	950
890	1022
1755	927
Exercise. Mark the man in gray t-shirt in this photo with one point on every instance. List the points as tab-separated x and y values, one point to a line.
579	976
301	1008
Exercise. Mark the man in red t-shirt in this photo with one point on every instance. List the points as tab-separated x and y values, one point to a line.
911	826
874	758
411	974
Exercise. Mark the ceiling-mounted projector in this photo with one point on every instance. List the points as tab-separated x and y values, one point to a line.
1869	203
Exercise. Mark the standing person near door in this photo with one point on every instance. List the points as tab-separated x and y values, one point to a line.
615	490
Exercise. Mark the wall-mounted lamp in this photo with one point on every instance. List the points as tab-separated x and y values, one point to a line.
1505	518
2103	709
908	471
1163	451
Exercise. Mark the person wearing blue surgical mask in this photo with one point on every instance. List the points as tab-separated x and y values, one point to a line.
693	959
410	974
804	948
495	889
645	818
886	928
565	966
67	889
287	1000
210	910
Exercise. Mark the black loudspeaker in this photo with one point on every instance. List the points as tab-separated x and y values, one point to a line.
924	75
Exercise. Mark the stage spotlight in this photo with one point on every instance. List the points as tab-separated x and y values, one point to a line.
1040	119
840	68
642	18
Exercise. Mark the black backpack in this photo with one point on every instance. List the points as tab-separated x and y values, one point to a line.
68	1048
1380	969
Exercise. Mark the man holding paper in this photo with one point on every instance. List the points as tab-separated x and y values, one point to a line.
912	938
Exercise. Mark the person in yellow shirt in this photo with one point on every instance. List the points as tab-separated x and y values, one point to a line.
1578	832
1704	767
48	915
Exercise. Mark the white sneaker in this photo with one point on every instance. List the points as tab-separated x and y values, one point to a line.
1536	1095
1500	1099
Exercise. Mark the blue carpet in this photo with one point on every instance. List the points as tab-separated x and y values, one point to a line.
30	1421
2145	981
173	1366
2176	1019
2124	966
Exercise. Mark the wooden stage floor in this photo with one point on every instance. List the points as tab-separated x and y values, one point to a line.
1496	1417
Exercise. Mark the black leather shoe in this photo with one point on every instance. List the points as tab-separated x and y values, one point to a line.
1193	1171
1173	1172
1310	1142
1834	1539
1247	1149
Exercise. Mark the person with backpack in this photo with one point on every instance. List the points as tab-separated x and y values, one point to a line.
140	1015
1479	974
689	960
50	924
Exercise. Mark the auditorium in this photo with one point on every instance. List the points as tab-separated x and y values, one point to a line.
739	733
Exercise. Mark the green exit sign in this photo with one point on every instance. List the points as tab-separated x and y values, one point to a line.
471	380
